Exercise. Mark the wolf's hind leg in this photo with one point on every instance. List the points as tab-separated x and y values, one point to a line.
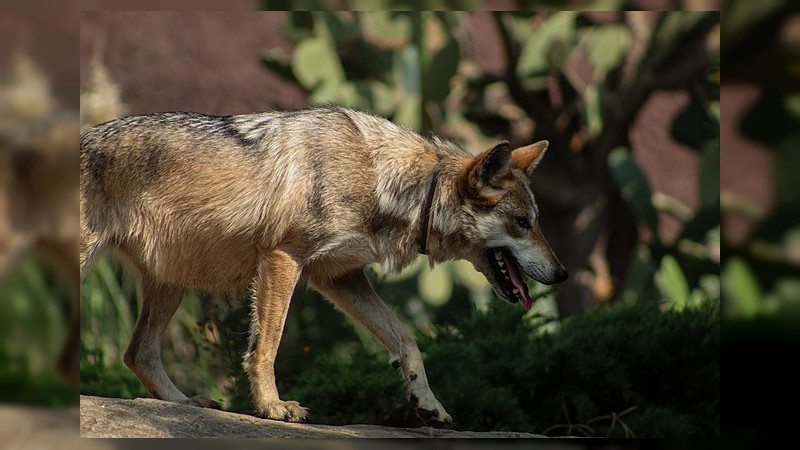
277	275
143	356
353	294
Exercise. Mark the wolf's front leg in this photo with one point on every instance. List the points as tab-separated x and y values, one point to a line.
273	287
353	294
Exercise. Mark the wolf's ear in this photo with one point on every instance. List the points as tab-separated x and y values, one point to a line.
489	171
528	157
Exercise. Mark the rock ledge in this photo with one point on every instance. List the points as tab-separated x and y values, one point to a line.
150	418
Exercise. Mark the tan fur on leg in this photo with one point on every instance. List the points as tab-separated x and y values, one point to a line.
272	291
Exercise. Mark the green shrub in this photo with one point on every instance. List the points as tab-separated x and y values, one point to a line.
20	383
618	370
374	395
107	380
623	356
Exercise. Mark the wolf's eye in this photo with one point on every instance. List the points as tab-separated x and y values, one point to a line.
524	223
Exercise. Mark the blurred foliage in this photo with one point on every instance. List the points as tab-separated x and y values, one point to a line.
686	269
623	370
760	270
468	5
107	379
761	287
33	305
25	91
38	214
20	383
395	64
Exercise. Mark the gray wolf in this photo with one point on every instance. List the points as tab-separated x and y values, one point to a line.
256	202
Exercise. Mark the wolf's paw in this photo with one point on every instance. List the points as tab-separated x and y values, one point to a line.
202	402
285	411
430	411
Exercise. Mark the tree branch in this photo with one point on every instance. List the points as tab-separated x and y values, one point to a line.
674	56
536	104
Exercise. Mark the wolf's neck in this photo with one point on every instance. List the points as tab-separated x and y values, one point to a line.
401	190
401	204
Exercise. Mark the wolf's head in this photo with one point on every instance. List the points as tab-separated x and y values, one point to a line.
500	232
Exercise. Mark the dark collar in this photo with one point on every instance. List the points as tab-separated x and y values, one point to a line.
425	217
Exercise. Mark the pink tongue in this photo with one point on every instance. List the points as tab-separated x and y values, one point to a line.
516	280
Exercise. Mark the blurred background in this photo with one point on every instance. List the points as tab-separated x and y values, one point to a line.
632	194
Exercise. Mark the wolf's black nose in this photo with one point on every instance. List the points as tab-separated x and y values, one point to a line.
561	274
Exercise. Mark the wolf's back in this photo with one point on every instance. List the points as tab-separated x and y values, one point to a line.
253	174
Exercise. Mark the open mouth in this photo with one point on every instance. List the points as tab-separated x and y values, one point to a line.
509	277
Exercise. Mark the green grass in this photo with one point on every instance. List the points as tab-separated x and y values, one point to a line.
34	311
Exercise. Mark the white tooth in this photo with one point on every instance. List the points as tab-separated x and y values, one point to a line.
503	270
501	263
515	291
498	256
